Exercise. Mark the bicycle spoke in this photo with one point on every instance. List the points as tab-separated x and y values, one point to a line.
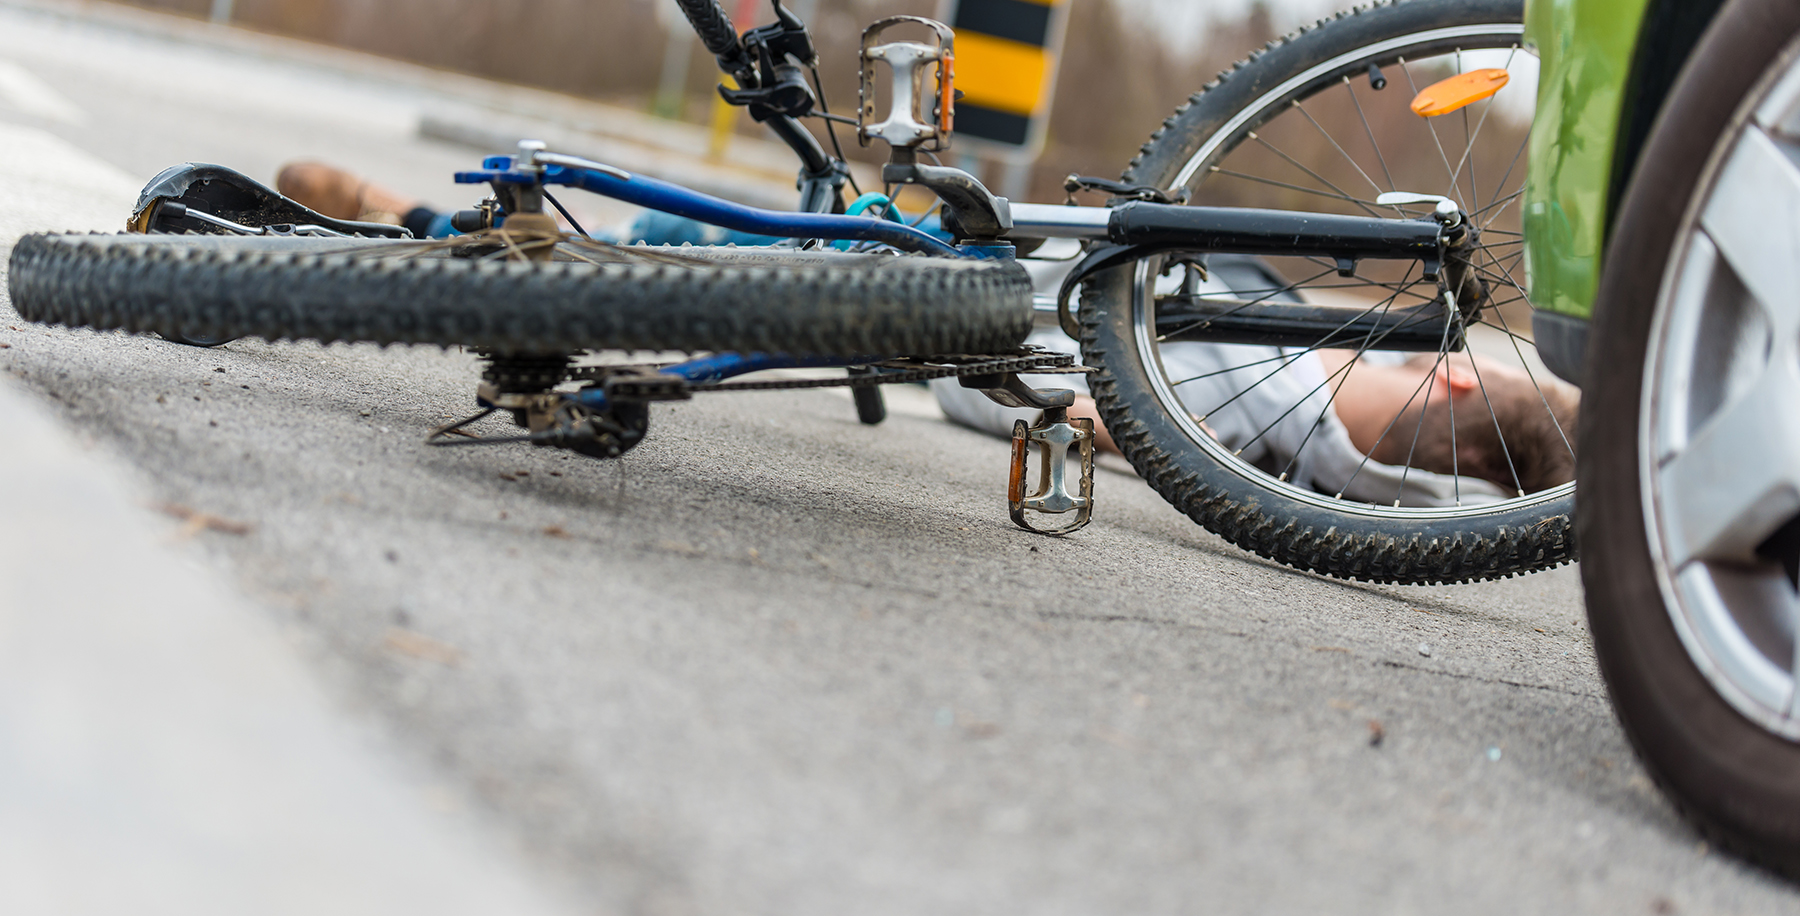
1524	142
1507	331
1198	323
1368	340
1218	372
1301	287
1512	469
1419	427
1545	399
1510	280
1319	420
1483	174
1345	369
1469	150
1334	145
1499	213
1303	352
1502	276
1365	204
1370	133
1366	283
1455	453
1342	373
1498	202
1316	176
1487	109
1502	260
1398	289
1384	434
1405	69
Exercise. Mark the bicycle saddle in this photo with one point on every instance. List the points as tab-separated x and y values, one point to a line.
234	196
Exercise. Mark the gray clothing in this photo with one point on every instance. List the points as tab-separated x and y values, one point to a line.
1247	396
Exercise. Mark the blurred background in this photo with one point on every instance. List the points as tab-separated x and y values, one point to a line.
1126	63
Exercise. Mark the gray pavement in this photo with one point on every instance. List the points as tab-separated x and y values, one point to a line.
775	661
164	750
163	747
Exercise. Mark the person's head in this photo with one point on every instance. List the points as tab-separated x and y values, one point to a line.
1483	418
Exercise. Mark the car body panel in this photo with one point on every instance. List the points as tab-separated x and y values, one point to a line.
1585	55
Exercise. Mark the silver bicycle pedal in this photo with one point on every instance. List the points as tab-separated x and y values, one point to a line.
1055	436
923	88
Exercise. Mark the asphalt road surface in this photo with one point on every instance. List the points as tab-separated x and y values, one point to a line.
774	661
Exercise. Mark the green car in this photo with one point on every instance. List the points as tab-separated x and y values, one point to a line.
1663	227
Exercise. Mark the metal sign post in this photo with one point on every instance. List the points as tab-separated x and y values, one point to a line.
1006	60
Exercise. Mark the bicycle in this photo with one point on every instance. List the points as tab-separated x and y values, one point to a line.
218	256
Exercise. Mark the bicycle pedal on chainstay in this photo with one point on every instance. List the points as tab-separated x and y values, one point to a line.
1055	435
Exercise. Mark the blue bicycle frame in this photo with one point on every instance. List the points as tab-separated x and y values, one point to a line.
1134	230
655	194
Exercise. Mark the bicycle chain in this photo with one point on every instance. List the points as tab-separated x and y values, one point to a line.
894	372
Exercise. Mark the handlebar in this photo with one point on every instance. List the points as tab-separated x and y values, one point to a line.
716	31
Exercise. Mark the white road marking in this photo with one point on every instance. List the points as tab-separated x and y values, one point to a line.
50	185
22	90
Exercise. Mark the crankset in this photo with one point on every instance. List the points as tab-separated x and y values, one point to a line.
610	414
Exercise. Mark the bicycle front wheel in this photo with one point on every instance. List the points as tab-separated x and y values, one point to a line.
1432	462
589	297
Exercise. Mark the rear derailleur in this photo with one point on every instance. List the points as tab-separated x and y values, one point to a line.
524	388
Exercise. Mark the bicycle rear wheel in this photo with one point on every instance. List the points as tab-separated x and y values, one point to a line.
590	297
1311	456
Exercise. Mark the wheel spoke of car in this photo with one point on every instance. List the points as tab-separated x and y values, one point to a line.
1760	177
1720	506
1740	273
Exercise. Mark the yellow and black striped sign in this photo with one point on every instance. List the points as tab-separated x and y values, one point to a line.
1006	52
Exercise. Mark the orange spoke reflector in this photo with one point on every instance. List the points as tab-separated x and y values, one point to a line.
1457	92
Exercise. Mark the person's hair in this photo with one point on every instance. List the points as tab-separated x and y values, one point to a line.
1519	437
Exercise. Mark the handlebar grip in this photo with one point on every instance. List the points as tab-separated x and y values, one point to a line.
714	28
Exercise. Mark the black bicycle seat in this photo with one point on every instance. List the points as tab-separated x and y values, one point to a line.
232	195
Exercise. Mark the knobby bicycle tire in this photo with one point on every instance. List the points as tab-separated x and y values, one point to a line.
1334	537
804	303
